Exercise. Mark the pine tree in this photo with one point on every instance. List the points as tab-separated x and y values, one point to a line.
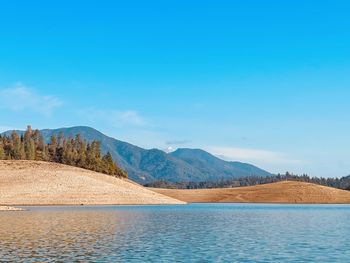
41	143
16	146
53	148
109	166
45	154
89	157
22	153
67	156
29	144
81	162
31	150
60	139
2	151
77	152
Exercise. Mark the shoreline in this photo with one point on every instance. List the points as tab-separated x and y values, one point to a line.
5	208
24	208
20	206
35	183
27	207
285	192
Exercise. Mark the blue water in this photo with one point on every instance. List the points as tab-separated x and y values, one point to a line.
192	233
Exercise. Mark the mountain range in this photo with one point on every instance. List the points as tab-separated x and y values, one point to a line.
148	165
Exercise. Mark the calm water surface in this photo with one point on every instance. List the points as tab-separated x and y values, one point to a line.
193	233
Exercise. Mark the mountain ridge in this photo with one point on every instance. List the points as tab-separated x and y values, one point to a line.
148	165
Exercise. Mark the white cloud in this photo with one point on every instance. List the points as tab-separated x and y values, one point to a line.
177	142
114	117
20	98
252	155
130	117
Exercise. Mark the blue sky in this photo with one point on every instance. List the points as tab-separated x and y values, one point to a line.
265	82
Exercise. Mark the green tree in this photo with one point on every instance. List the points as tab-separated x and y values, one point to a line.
60	139
41	143
67	155
81	161
29	145
2	151
72	151
29	148
109	167
53	148
45	153
16	146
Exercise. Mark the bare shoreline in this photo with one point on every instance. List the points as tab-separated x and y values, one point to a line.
10	208
287	192
33	183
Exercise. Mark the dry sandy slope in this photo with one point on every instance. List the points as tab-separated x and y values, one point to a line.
282	192
41	183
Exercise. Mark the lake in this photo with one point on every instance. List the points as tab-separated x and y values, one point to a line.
191	233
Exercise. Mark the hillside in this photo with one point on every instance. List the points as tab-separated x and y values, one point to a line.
282	192
144	166
210	166
41	183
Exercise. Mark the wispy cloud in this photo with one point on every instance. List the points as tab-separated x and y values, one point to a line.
20	98
129	117
115	118
252	155
177	142
4	128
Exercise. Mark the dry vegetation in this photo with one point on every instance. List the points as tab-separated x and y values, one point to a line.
281	192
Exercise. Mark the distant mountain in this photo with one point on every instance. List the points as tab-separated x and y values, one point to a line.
211	167
145	166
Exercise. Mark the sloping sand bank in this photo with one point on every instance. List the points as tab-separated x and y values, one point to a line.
42	183
282	192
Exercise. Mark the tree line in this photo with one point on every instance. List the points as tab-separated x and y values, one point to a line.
340	183
71	151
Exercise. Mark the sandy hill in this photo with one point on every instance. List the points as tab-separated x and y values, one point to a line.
282	192
41	183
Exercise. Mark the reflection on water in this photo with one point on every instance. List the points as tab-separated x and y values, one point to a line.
194	233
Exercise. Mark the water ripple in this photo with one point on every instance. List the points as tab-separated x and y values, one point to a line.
194	233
